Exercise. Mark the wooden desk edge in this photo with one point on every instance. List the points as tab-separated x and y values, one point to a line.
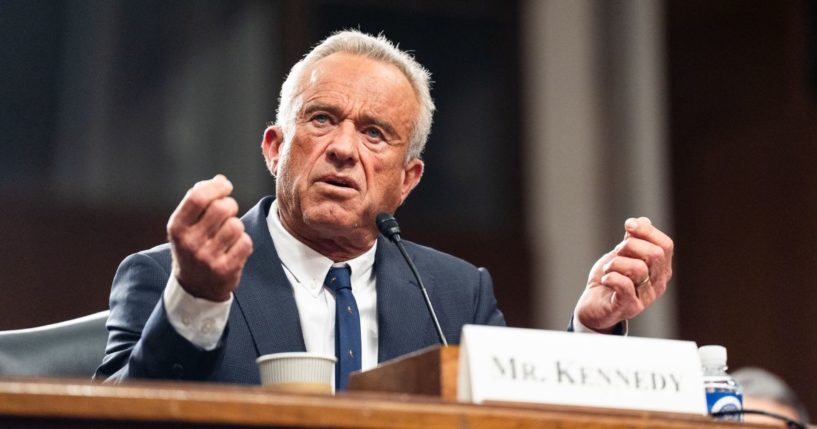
254	406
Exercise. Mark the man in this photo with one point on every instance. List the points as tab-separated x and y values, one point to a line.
764	391
353	118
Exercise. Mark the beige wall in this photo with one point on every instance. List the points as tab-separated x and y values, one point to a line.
596	148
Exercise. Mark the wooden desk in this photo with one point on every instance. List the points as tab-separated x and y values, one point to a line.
83	404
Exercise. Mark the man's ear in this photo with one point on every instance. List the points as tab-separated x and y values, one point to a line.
271	146
412	173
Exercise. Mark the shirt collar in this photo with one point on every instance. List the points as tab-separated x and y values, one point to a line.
307	266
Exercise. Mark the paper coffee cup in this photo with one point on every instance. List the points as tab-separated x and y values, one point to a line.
297	372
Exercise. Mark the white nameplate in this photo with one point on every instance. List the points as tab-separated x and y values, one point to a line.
551	367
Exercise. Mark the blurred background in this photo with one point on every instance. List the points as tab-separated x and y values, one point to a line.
556	121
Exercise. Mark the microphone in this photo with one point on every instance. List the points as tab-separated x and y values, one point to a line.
387	225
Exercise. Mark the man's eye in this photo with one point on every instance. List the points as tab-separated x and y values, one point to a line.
321	118
373	133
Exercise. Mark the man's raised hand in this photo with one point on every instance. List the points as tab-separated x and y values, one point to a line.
629	278
208	241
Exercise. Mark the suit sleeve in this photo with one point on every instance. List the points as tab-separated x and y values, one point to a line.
486	310
141	341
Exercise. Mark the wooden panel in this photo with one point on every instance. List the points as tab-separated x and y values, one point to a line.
431	371
57	261
744	143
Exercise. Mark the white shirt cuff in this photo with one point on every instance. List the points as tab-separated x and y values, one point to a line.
198	320
579	327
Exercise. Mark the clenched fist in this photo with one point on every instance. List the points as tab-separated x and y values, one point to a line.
208	241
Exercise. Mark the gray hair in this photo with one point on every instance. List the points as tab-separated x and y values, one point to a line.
760	383
377	48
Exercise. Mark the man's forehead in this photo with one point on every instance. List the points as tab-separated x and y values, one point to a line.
351	67
334	77
313	76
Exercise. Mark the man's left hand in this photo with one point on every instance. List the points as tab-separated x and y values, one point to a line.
628	279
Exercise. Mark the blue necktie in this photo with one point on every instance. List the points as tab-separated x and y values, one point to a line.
347	325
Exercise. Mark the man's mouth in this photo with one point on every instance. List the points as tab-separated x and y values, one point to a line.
339	181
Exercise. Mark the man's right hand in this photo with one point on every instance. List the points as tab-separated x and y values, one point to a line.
208	241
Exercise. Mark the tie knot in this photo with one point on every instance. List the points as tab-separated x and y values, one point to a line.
339	278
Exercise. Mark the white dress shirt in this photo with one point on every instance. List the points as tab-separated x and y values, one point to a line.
306	270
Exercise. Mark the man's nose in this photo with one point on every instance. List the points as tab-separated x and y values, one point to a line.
343	147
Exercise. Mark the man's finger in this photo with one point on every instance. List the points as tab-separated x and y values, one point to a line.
236	256
626	303
622	286
641	249
634	268
216	214
225	237
199	197
643	228
241	249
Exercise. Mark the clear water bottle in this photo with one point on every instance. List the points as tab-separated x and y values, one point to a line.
723	393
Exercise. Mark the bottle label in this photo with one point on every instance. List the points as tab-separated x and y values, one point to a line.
725	401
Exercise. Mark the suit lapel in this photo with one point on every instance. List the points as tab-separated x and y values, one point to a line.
264	295
403	322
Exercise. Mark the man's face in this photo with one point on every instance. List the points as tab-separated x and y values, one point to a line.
345	162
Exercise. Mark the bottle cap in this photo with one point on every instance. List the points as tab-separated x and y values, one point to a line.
712	355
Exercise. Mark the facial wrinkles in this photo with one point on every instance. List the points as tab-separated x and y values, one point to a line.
283	172
370	99
291	119
285	182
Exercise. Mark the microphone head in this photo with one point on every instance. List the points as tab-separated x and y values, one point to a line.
387	225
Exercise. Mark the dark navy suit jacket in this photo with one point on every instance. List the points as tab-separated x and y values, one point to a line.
264	317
